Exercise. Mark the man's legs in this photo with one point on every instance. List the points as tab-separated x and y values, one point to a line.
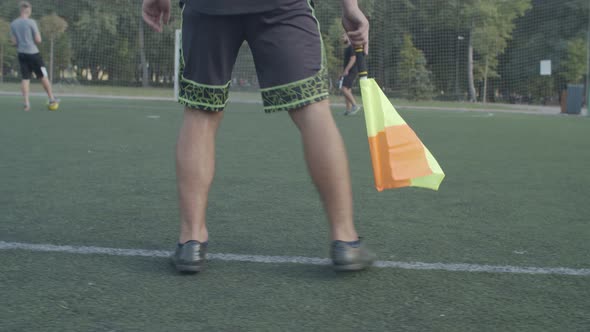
347	92
195	167
25	88
328	166
47	87
350	99
346	99
210	45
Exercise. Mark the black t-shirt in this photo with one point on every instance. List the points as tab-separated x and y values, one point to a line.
348	53
238	7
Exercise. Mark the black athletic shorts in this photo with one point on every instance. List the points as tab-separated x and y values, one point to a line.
348	80
31	63
286	45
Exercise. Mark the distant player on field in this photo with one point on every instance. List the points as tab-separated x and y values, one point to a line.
25	36
349	74
286	43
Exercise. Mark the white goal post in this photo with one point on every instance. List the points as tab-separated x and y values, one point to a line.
177	47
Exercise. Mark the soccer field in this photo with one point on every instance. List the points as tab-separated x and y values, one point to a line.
503	246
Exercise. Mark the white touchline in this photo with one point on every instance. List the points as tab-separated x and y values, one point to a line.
532	111
456	267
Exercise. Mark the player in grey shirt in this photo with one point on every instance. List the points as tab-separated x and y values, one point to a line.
25	36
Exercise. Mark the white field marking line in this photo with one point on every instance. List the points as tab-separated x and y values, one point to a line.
530	111
455	267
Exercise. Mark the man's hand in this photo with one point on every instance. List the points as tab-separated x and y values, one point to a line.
356	24
156	13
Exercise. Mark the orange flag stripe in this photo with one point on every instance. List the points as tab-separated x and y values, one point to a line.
406	157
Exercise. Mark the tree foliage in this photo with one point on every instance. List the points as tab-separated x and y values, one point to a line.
542	34
575	64
4	42
4	31
413	72
495	23
508	39
52	26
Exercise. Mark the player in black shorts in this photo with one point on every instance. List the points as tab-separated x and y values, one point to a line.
348	77
25	36
285	39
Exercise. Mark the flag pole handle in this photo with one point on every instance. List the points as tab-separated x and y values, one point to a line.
361	62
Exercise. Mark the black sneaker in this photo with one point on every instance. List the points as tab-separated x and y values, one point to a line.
347	257
190	257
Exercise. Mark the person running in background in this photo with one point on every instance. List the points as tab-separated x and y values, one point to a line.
349	76
25	36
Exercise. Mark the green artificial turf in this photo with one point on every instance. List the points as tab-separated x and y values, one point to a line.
100	172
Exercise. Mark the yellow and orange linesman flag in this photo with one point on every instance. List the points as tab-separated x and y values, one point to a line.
399	158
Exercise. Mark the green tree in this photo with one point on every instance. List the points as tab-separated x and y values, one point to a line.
506	48
334	48
492	34
489	46
490	25
575	66
106	39
91	31
390	20
52	26
413	72
542	34
4	40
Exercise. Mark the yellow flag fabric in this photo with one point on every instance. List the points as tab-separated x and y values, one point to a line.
398	156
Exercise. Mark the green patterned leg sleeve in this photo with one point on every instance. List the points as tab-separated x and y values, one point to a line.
201	96
297	94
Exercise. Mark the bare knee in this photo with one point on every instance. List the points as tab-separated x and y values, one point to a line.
194	114
314	113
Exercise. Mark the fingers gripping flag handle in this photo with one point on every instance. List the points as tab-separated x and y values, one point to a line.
361	62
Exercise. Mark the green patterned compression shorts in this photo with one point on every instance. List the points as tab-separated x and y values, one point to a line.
287	49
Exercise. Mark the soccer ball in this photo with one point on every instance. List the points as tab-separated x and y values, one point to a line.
53	106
